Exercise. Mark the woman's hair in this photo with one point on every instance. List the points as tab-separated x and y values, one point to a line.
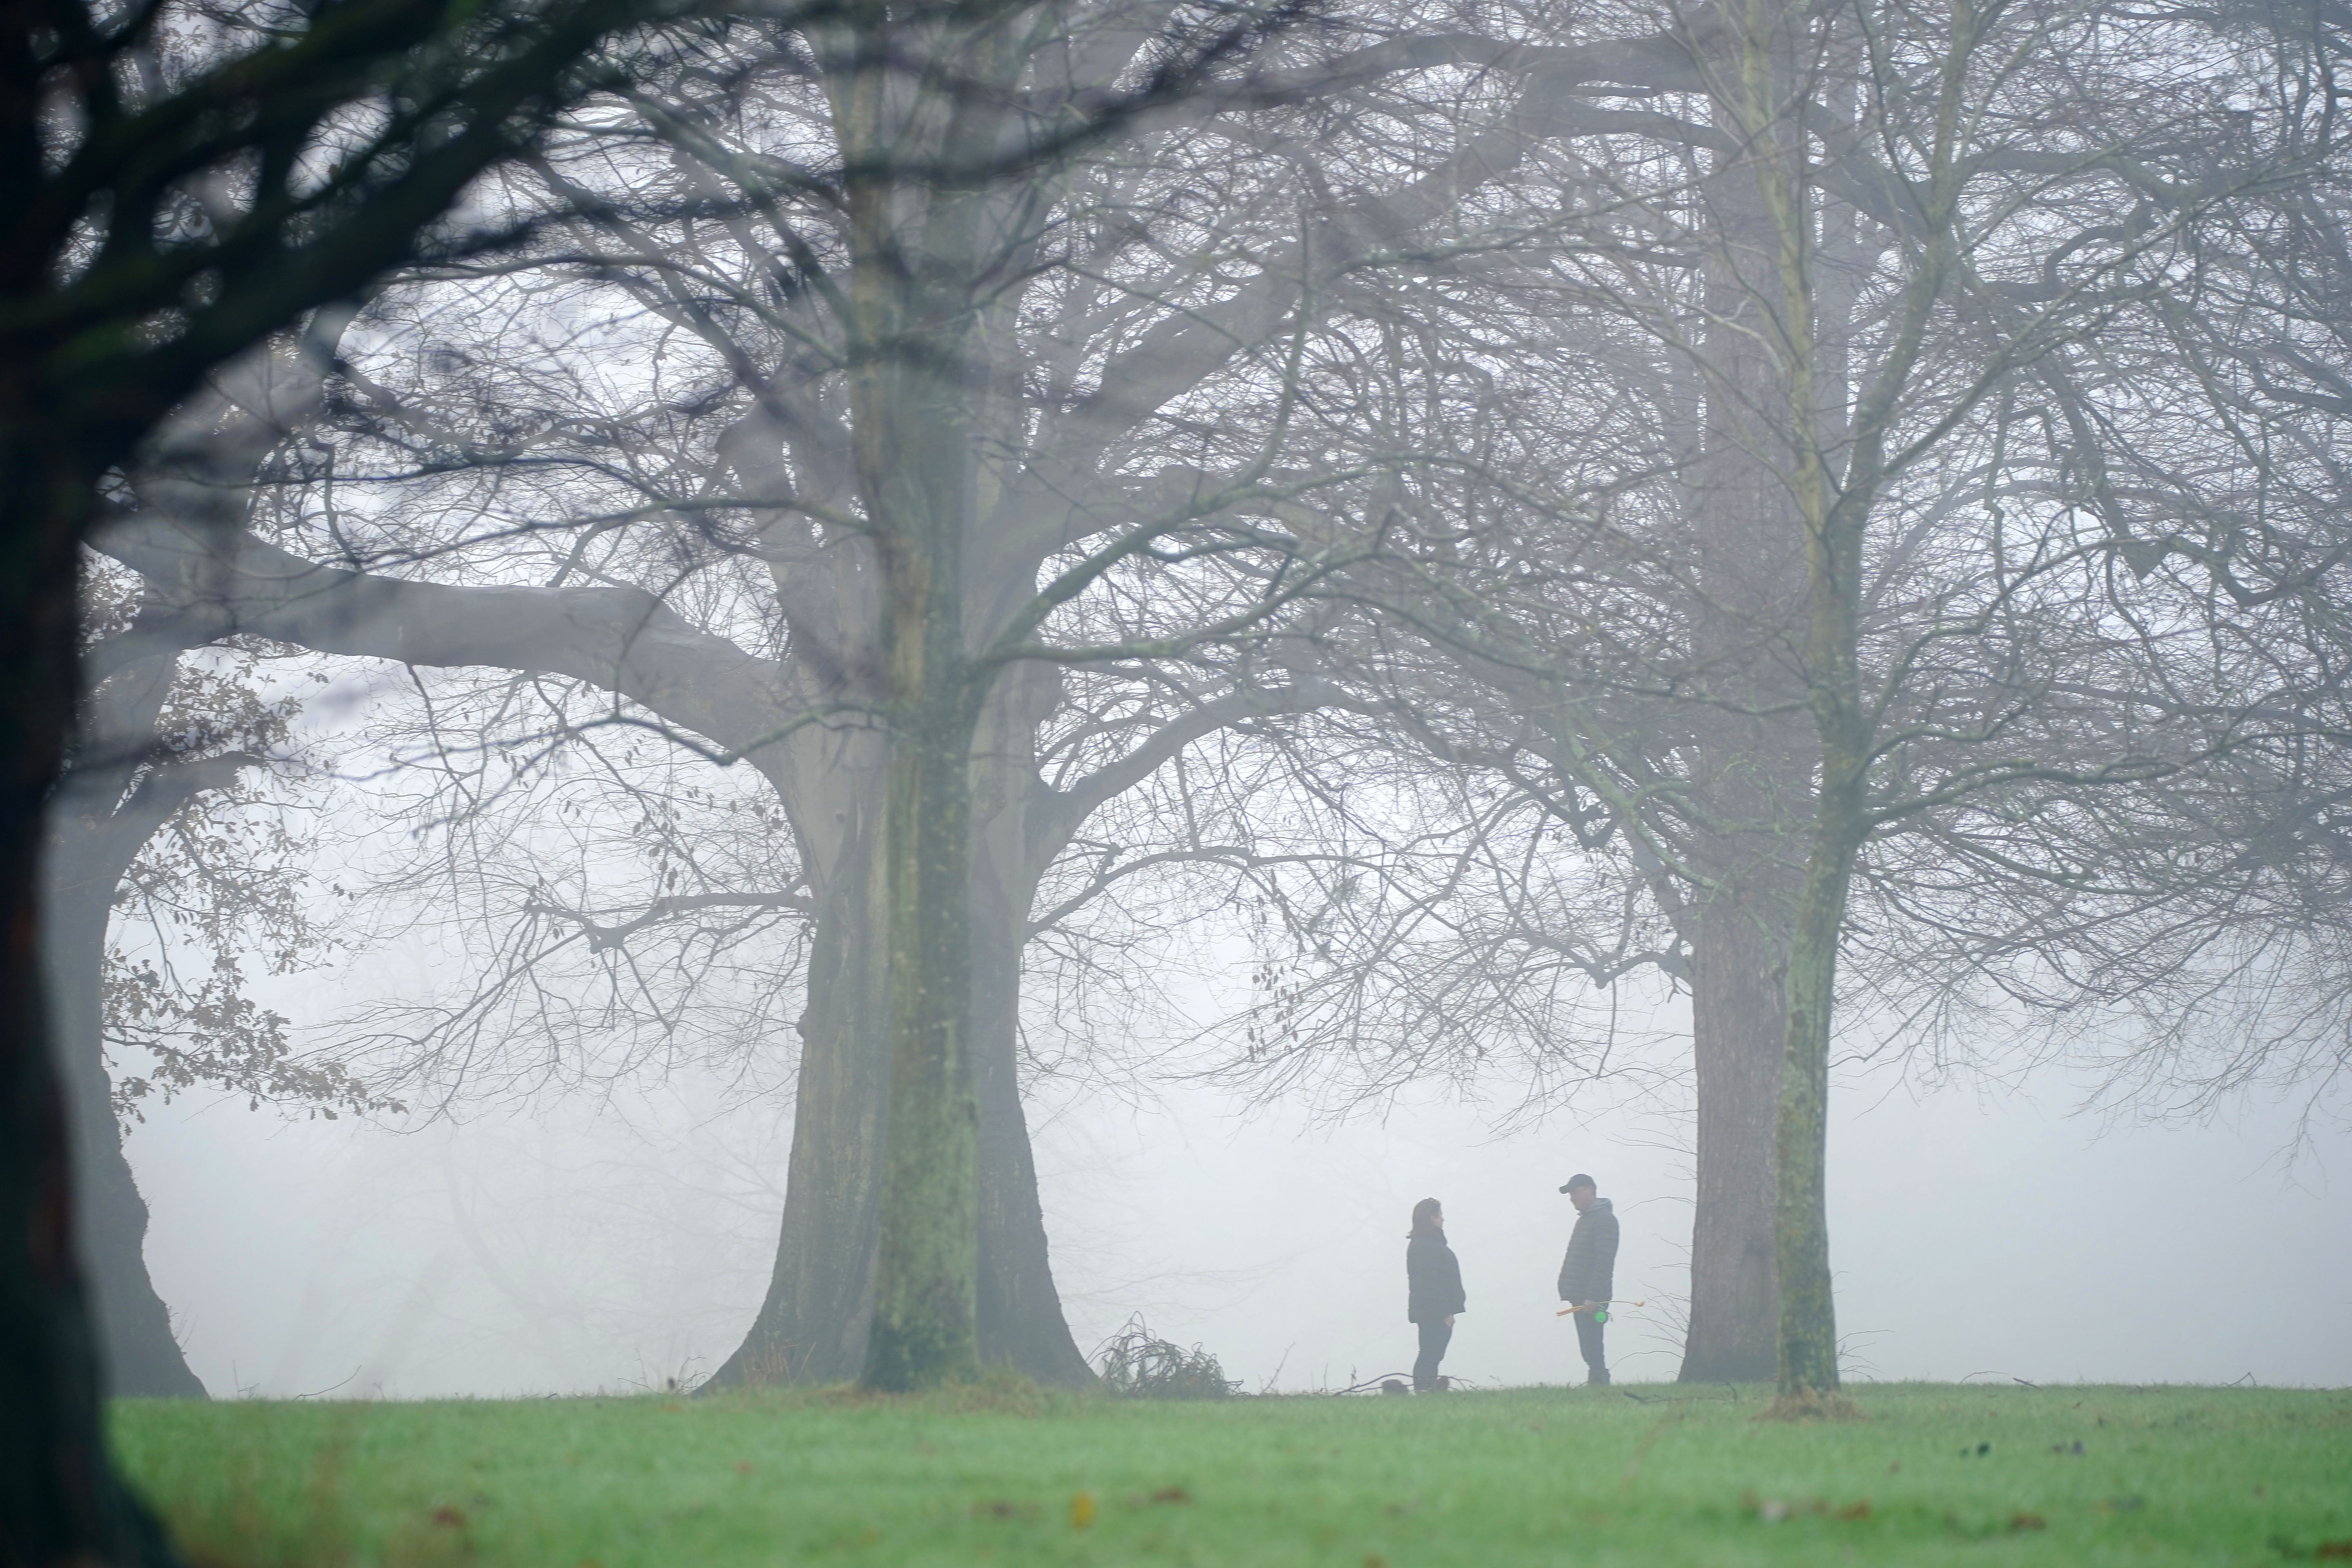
1427	1218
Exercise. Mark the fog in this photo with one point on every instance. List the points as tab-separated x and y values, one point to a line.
614	1248
1130	640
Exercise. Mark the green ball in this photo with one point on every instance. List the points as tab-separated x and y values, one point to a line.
1599	1314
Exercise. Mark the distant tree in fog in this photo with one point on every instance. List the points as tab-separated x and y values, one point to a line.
158	823
1827	599
1984	674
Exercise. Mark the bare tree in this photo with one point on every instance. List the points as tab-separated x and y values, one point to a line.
1822	617
2183	943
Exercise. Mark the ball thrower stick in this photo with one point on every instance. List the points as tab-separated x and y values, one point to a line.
1587	1306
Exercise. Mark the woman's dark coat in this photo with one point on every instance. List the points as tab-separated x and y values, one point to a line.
1432	1279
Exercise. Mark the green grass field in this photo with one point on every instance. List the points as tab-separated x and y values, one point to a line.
1936	1474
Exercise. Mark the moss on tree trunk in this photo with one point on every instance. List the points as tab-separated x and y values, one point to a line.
924	1324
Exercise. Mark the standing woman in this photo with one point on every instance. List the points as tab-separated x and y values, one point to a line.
1433	1291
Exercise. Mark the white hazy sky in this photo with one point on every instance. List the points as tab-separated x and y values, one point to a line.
619	1244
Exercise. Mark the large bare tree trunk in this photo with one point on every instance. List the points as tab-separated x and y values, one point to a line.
1799	416
916	395
812	1326
1738	1010
924	1327
1755	759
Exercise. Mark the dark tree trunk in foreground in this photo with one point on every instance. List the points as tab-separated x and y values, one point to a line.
59	1498
98	344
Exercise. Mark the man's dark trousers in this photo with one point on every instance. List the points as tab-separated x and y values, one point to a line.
1588	1340
1434	1336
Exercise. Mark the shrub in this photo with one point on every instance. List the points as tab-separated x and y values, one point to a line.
1135	1363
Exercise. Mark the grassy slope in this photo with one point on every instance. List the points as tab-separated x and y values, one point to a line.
1532	1476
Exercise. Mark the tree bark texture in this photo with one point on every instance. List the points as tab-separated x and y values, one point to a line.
925	1325
915	400
1738	1015
60	1499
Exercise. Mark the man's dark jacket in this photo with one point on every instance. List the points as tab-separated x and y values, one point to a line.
1432	1279
1588	1272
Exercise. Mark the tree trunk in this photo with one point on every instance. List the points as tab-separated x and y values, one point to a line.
1808	1352
1020	1311
1740	1016
139	1356
915	400
60	1499
924	1322
1756	749
812	1326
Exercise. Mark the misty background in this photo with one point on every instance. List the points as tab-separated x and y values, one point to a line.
612	1244
1415	612
617	1236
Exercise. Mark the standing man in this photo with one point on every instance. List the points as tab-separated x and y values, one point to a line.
1587	1274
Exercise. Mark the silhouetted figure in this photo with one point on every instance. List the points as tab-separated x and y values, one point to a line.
1433	1291
1587	1275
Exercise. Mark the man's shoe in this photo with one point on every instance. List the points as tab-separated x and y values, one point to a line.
1598	1380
